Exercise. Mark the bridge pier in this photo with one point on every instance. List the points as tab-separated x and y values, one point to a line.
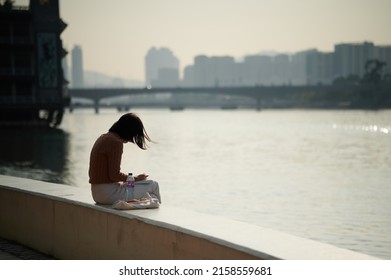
259	103
96	106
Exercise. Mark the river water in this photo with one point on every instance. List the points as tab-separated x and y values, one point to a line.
319	174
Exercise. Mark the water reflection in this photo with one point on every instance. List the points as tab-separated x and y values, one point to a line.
319	174
367	128
35	153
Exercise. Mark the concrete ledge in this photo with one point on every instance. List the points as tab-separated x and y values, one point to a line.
64	222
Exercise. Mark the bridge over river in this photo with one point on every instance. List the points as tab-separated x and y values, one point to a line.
264	96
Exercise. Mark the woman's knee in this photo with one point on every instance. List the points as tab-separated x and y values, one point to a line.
155	185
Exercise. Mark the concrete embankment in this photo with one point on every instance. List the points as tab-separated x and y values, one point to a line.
63	221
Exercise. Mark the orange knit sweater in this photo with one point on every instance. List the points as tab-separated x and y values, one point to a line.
105	160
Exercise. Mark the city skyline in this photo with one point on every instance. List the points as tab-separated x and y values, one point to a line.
115	38
307	67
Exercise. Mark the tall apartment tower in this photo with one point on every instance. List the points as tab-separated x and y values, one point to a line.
161	68
350	59
215	71
77	67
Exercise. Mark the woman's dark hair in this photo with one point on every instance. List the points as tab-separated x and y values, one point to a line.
130	128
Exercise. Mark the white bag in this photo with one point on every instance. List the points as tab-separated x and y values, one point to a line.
146	202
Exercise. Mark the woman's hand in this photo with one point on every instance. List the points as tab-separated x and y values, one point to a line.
141	177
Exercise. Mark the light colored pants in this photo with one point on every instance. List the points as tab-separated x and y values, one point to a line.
147	186
111	192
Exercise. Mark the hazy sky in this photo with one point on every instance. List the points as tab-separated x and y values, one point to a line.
116	35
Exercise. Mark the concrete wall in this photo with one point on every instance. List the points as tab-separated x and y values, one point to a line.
64	222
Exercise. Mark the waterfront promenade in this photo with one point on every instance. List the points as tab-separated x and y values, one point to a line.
10	250
62	221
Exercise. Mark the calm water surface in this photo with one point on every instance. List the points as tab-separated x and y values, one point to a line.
324	175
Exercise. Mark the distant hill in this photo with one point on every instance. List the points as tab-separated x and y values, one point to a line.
94	79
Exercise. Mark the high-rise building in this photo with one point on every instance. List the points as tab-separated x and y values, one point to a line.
215	71
299	67
222	71
383	53
319	68
350	59
77	67
188	76
32	86
155	61
281	70
257	70
201	71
